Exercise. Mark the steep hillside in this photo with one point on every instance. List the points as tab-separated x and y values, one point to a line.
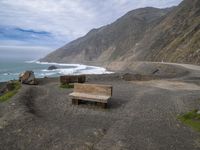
108	43
146	34
176	38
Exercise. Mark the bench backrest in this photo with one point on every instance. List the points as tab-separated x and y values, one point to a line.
72	79
96	89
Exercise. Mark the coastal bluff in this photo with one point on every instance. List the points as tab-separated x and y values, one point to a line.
146	34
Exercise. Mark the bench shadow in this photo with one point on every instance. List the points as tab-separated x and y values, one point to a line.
89	104
115	103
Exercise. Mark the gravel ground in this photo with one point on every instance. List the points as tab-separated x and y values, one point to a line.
141	116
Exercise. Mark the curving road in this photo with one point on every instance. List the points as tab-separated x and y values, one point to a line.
187	66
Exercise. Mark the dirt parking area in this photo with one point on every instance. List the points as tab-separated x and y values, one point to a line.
141	115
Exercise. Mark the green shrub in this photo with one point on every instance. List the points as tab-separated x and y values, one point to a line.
191	119
10	94
66	86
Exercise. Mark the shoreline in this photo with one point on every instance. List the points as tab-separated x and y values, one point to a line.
41	70
166	70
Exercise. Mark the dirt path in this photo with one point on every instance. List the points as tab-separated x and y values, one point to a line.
141	115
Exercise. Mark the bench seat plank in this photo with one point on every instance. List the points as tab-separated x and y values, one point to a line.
90	97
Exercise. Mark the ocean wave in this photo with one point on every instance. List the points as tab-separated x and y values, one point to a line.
46	70
45	74
58	64
5	74
76	70
11	74
31	61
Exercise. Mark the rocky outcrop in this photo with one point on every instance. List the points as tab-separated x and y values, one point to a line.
28	77
175	38
52	67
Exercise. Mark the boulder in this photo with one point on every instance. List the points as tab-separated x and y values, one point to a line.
67	79
28	77
52	67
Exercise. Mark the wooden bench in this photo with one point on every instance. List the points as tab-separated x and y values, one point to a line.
72	79
97	93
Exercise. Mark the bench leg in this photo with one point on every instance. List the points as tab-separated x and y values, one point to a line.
75	101
104	105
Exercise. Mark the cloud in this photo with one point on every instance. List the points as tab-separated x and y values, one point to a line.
23	52
65	20
18	36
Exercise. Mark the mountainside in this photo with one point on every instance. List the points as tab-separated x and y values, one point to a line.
176	38
146	34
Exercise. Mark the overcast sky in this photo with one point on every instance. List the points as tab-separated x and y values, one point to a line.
48	24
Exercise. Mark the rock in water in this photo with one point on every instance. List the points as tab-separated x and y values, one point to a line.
28	77
52	68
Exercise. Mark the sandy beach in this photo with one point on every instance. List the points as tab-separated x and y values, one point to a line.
141	115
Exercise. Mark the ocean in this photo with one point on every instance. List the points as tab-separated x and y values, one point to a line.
10	70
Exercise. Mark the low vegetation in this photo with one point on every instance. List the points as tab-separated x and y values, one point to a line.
66	86
191	119
7	95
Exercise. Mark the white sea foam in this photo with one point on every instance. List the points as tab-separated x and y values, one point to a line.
14	74
92	70
58	64
68	69
31	61
44	74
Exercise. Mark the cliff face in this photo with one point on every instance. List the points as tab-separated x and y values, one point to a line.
146	34
176	38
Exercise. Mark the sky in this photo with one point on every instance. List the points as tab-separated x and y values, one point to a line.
36	27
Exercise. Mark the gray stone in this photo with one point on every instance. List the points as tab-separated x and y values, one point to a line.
52	67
